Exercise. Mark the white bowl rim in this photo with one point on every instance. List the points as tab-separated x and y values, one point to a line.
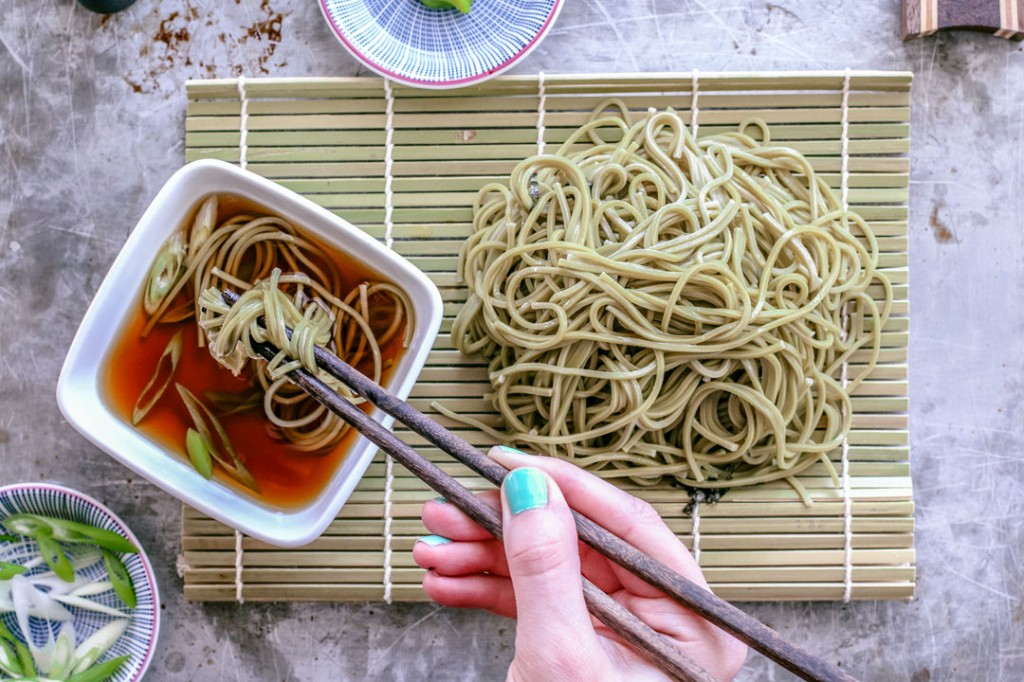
445	84
147	565
211	499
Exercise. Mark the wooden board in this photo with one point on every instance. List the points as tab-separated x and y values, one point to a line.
326	138
1002	18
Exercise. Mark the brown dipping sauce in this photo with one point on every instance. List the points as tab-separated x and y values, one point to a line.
287	477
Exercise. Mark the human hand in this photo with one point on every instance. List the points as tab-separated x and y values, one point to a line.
534	575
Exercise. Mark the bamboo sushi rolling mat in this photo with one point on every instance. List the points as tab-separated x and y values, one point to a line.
405	165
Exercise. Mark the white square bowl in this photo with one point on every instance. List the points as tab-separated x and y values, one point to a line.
84	404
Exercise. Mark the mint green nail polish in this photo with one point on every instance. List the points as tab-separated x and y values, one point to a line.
434	540
525	489
440	500
511	451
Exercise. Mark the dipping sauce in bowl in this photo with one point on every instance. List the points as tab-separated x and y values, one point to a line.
286	473
282	470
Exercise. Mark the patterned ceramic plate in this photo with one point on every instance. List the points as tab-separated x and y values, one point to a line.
139	639
430	48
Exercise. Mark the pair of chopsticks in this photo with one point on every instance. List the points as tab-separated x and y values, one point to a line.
656	647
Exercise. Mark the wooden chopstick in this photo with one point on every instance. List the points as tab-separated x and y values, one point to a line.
744	627
656	647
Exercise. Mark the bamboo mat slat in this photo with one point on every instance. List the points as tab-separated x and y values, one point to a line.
325	138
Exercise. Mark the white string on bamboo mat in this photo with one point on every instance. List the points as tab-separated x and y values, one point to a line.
389	204
694	92
844	190
243	125
844	177
238	568
541	103
694	112
389	160
695	517
243	161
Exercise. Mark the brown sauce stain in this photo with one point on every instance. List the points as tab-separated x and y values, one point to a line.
943	234
171	35
270	28
169	46
268	32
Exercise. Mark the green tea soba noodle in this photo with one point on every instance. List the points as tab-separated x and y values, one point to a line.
663	308
317	317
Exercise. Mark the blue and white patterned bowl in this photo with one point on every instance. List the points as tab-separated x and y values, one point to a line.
139	640
429	48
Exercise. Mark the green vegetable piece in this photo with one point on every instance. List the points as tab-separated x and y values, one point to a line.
9	662
28	664
101	537
161	379
164	273
55	557
220	446
462	5
97	644
69	531
63	653
8	570
204	224
28	525
198	447
120	579
100	671
233	403
8	538
6	634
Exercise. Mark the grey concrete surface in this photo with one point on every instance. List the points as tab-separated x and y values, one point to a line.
91	124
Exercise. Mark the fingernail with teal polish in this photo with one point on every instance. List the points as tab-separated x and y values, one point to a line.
434	540
525	489
440	500
511	451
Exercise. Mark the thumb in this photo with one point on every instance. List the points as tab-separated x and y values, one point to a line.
554	631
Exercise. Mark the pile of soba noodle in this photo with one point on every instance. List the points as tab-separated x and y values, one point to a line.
663	308
246	253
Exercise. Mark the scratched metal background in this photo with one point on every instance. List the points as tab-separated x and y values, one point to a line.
91	120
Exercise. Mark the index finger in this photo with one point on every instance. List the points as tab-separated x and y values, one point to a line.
628	517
